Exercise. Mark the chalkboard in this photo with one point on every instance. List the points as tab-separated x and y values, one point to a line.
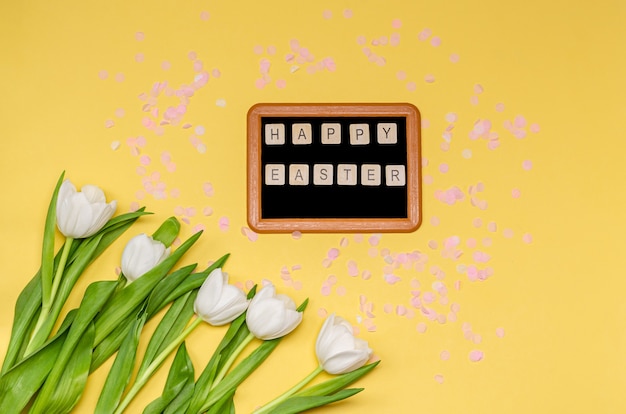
334	168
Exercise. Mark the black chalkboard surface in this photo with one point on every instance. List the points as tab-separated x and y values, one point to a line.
334	168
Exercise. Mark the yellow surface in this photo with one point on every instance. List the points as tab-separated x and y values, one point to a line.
551	317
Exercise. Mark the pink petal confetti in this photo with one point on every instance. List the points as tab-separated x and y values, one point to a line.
439	378
500	332
424	34
519	121
392	279
333	253
207	211
435	41
475	355
115	145
109	123
374	239
224	223
527	238
353	270
281	83
534	128
454	58
251	235
296	235
327	14
430	78
527	165
260	83
444	355
204	15
165	65
421	327
140	36
119	77
366	275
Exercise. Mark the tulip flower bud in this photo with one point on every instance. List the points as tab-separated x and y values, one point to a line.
81	214
141	254
218	302
337	350
271	316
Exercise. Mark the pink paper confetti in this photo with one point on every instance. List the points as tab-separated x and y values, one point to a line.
251	235
475	355
224	223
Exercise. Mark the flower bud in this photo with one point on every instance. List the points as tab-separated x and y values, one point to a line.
218	302
337	350
270	315
141	254
81	214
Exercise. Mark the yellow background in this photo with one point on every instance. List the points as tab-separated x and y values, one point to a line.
550	319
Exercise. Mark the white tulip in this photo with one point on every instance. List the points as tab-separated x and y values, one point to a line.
81	214
270	315
141	254
337	350
218	302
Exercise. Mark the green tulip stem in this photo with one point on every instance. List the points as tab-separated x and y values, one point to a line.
47	302
272	404
141	381
56	281
231	360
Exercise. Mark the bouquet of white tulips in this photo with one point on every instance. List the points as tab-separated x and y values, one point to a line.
46	371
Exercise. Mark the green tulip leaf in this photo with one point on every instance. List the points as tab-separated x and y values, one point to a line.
47	254
122	368
232	380
235	335
237	332
225	405
169	328
69	389
20	383
336	383
95	296
180	376
167	232
111	342
70	276
135	293
294	405
181	402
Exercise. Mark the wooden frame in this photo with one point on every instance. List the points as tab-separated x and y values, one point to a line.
334	225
